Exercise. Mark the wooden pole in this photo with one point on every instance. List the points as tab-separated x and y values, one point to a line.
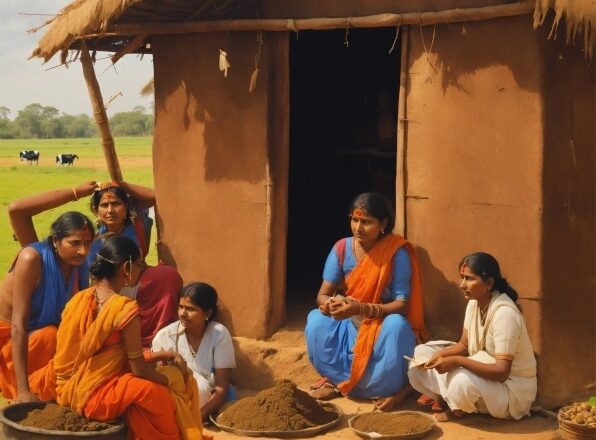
99	113
295	25
402	136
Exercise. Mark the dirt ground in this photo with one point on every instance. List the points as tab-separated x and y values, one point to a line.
261	363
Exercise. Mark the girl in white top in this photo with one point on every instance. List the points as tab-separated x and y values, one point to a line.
205	345
492	368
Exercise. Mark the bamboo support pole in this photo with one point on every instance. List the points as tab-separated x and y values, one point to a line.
402	136
295	25
99	113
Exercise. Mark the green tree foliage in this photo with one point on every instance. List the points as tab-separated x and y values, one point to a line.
134	123
45	122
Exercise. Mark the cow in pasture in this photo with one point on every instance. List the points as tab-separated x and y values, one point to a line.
66	159
30	156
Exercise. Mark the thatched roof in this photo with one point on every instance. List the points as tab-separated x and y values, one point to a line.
580	19
89	19
95	20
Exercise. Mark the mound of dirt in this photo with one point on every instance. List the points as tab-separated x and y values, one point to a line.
281	408
392	423
57	418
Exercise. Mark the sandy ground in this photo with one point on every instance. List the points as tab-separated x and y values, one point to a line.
261	363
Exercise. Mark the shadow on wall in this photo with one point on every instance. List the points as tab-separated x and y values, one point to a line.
444	306
454	59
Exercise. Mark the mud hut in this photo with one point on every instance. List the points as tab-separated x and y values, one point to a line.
475	120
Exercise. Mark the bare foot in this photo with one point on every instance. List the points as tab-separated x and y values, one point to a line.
389	402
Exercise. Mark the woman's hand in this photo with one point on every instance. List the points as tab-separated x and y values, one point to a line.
85	189
444	364
343	308
181	364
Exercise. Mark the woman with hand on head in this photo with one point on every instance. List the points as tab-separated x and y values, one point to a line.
205	345
357	342
492	368
42	278
100	369
119	208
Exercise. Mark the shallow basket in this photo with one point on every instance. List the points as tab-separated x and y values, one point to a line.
376	435
10	429
574	431
300	433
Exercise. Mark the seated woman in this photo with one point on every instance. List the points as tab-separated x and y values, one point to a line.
40	281
492	368
205	345
159	285
100	369
357	343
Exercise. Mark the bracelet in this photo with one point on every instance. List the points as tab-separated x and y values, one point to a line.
74	191
134	354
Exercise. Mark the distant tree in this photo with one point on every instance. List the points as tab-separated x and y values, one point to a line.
78	126
134	123
36	121
6	125
4	112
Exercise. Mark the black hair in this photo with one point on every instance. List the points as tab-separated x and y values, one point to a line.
201	295
115	250
486	266
118	192
376	205
67	223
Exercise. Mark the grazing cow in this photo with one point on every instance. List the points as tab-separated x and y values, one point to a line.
66	159
30	156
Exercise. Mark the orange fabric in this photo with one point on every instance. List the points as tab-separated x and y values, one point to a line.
148	408
41	348
366	283
185	395
80	363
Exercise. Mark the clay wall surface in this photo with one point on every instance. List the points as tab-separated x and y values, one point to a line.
568	238
500	158
216	199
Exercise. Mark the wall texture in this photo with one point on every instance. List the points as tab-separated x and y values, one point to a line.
492	129
213	147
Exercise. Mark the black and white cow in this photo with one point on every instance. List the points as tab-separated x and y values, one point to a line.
66	159
30	156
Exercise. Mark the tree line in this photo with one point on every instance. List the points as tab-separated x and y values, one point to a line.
45	122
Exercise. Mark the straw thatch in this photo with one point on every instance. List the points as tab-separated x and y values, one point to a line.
580	18
83	18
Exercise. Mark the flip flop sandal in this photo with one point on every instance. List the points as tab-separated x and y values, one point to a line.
326	392
425	400
320	383
437	407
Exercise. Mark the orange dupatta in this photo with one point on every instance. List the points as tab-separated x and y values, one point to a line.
366	284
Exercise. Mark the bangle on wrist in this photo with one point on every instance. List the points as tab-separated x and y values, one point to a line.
74	191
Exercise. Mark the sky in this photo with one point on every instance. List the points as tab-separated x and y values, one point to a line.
24	81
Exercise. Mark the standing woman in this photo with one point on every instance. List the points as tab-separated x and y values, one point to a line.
100	368
492	368
357	342
40	281
157	293
205	345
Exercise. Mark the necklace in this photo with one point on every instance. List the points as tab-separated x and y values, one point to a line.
193	352
484	311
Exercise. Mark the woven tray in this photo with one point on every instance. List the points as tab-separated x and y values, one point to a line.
376	435
300	433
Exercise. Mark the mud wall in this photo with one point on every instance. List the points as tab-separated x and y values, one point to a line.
489	167
219	157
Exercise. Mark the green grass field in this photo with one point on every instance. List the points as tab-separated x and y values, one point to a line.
18	179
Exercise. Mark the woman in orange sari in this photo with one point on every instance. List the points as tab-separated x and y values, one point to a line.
357	341
99	366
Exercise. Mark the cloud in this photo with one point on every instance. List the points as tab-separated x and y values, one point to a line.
23	81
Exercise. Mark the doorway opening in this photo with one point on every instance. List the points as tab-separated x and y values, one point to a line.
343	141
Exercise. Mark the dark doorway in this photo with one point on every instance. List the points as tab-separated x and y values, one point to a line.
342	140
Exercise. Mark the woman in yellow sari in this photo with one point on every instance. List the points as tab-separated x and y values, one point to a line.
100	369
357	342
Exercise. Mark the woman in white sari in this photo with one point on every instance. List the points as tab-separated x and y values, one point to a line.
492	368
